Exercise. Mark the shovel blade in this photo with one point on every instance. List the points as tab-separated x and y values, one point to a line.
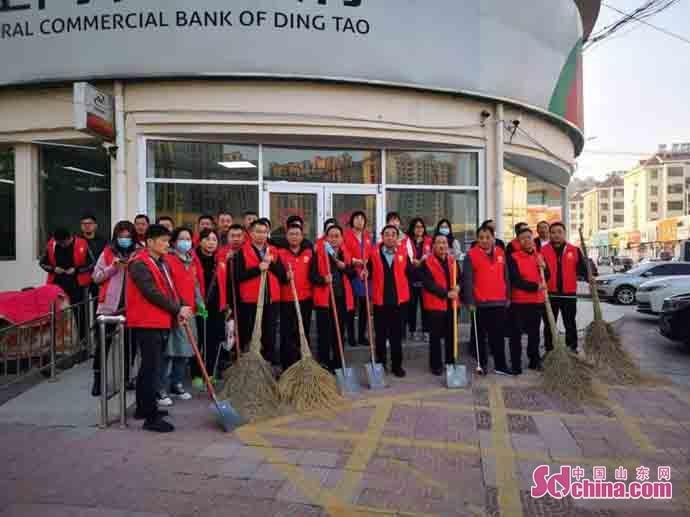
348	383
456	376
376	376
227	415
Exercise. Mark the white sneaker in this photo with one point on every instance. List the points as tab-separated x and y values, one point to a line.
179	392
164	400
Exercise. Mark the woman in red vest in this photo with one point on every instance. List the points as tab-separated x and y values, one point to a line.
256	256
527	303
331	266
296	258
183	266
110	275
68	264
421	246
152	307
212	274
438	296
486	292
389	268
359	244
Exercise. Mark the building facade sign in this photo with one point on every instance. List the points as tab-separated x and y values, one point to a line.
667	230
527	52
93	111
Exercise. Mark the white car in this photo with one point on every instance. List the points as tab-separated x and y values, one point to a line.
650	296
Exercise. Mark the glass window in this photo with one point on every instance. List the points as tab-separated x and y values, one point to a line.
675	172
618	219
653	174
676	188
431	168
202	161
186	202
653	207
653	191
73	181
321	165
604	206
7	206
675	205
619	205
529	199
460	207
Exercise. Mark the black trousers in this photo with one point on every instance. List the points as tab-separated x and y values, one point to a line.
567	307
441	325
151	343
268	329
289	331
109	329
491	323
389	321
329	353
415	302
526	319
213	331
361	311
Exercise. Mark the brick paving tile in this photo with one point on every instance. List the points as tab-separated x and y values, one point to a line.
481	397
664	437
290	493
320	459
602	439
556	436
483	420
528	443
522	424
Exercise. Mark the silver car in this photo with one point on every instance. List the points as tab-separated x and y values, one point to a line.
621	287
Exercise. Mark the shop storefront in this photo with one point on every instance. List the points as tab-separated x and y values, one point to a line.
315	109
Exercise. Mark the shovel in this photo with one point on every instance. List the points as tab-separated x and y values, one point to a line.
376	375
227	415
456	374
348	383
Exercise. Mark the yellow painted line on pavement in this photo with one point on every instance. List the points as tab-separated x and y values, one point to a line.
507	481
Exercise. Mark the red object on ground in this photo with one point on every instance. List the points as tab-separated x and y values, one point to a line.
17	307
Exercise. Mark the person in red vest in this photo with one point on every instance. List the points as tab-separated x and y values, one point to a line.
566	263
212	274
331	256
109	276
438	296
183	266
514	245
486	293
421	243
390	268
359	244
527	301
224	224
141	223
205	222
152	307
255	257
68	264
542	239
296	259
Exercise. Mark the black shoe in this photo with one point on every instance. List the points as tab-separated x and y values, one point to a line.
536	365
517	371
158	425
160	413
96	388
503	371
399	372
437	371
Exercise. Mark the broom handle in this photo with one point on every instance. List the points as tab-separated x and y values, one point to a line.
369	325
596	303
453	281
304	345
200	361
236	315
549	311
256	334
334	306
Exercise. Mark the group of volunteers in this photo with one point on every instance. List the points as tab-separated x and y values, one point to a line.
169	281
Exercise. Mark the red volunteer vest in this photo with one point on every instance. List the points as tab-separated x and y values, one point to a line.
139	311
221	280
322	295
514	246
249	289
527	265
402	286
568	268
431	301
108	258
356	249
81	253
488	275
301	265
185	280
426	246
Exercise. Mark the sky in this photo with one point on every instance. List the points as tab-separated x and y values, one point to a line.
636	89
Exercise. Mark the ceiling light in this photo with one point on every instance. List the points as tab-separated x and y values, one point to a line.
9	182
83	171
238	165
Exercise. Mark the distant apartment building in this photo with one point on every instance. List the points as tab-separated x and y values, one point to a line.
576	208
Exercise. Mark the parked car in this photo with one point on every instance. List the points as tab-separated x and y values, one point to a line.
604	261
621	287
650	296
673	322
621	264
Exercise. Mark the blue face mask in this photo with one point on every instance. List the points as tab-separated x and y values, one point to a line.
444	231
124	242
183	246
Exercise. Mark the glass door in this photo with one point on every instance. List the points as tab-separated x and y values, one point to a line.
305	201
343	200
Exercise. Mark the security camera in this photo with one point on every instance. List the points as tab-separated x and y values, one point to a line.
516	123
111	149
485	115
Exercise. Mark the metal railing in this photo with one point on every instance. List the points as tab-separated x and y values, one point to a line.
53	341
118	366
